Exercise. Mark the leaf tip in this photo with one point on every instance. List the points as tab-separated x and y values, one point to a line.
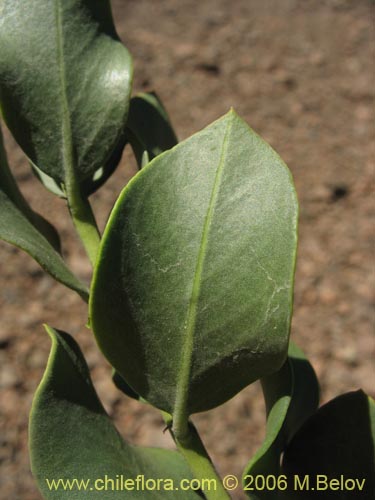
52	333
232	113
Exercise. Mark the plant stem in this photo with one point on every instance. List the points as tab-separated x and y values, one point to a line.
85	224
194	452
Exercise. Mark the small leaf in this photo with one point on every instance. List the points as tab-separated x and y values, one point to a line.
67	109
148	128
87	186
72	437
278	393
336	442
17	228
93	183
192	293
306	392
9	186
291	395
48	182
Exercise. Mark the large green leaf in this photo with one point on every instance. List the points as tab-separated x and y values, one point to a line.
334	450
65	81
149	130
192	293
71	437
20	226
291	395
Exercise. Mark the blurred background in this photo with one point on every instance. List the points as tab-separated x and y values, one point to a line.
302	74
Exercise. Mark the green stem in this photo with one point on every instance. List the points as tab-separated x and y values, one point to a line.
194	452
85	224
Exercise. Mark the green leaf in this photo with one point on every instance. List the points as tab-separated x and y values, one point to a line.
48	182
192	293
149	130
291	395
16	229
72	437
9	186
90	185
19	227
68	108
306	392
65	81
122	386
336	443
277	390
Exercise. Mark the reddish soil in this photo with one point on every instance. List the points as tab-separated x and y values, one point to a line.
302	75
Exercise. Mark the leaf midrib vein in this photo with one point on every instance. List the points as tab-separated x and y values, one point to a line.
180	408
66	130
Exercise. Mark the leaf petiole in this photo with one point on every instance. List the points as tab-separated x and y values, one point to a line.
195	454
85	224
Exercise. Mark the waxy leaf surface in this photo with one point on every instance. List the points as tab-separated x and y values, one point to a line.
192	293
72	437
22	227
65	82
